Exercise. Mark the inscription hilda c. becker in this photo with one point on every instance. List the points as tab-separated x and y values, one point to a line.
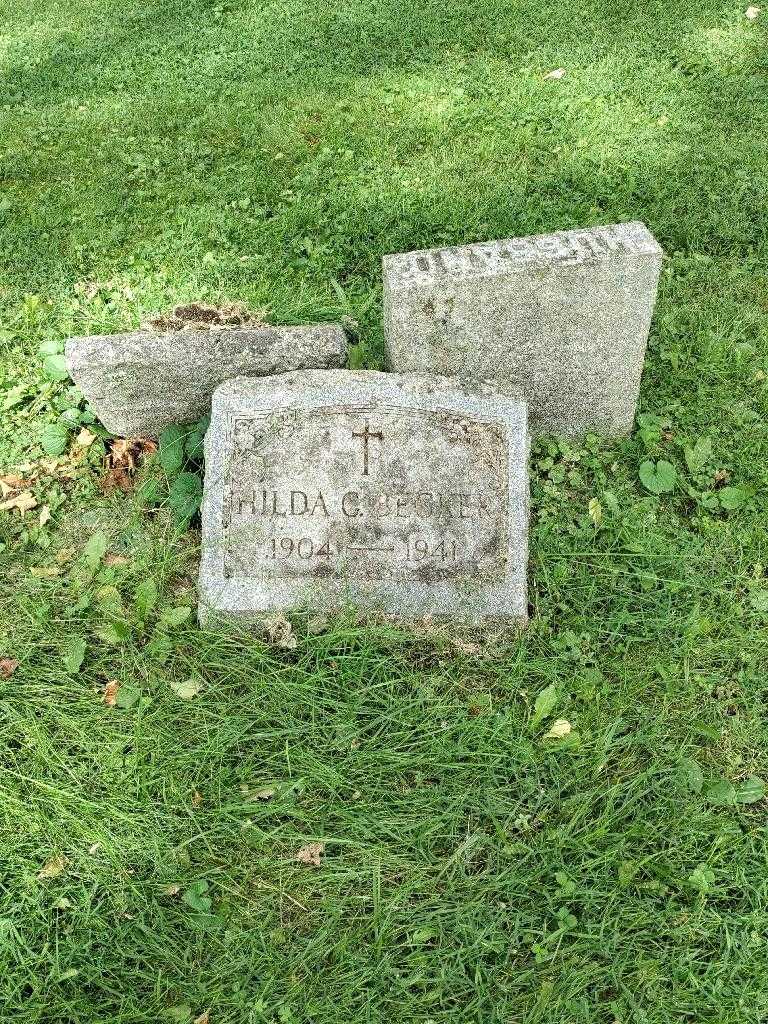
366	493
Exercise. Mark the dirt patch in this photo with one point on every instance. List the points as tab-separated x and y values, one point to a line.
199	316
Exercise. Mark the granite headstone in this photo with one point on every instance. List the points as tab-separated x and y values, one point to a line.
141	383
561	320
404	494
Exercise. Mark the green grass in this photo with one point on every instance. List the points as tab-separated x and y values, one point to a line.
473	871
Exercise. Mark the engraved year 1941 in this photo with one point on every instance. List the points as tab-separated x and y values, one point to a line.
418	548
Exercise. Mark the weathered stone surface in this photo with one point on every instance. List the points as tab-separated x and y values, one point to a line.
560	319
141	383
406	494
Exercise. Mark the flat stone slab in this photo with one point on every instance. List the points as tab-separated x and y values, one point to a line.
560	319
141	383
404	494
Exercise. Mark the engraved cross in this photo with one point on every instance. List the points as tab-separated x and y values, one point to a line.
365	436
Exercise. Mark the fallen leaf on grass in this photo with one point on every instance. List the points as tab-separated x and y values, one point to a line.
263	794
280	632
110	693
116	560
85	438
187	688
53	868
555	75
45	515
752	13
197	799
311	854
23	502
204	1017
544	705
45	572
182	1013
11	483
173	890
595	511
122	460
7	667
559	730
94	848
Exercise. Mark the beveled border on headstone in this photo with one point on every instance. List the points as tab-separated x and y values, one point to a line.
405	495
560	319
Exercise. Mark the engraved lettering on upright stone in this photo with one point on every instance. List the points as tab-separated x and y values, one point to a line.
385	526
561	320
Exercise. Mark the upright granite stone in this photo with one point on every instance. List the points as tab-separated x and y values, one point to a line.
141	383
560	319
404	494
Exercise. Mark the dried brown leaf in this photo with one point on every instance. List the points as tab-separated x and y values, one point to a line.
122	460
197	798
7	667
116	560
45	515
11	482
23	502
110	693
204	1017
311	854
466	647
